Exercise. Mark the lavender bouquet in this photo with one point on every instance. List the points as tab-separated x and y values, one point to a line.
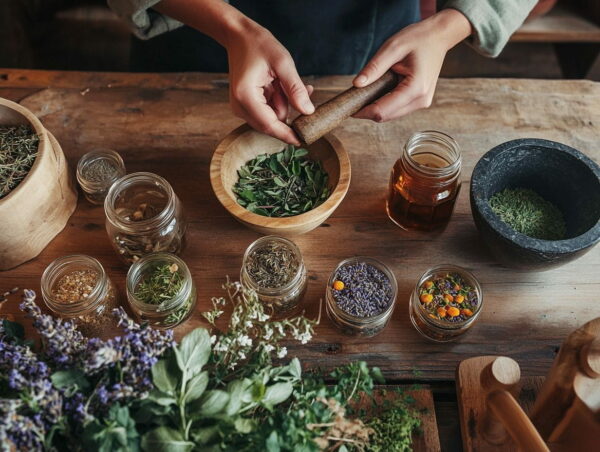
75	392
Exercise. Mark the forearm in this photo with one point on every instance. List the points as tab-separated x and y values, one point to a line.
215	18
451	27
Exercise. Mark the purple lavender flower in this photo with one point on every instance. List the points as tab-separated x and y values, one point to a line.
63	343
118	369
367	290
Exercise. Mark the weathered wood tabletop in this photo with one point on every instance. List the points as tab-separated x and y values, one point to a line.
170	125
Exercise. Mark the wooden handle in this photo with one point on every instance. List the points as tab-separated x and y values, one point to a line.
330	114
508	411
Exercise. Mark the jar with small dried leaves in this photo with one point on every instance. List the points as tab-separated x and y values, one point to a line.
274	268
143	216
77	288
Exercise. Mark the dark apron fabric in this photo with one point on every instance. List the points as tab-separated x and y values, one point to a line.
323	36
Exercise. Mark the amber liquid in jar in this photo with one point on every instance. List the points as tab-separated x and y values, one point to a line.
425	182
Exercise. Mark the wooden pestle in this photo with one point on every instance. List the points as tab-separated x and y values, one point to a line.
500	380
330	114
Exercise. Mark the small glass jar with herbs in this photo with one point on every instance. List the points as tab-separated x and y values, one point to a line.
161	290
361	296
144	215
274	268
77	288
445	303
97	171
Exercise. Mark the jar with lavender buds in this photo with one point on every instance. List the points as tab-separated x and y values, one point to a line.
361	296
97	171
77	288
274	268
144	215
445	303
161	290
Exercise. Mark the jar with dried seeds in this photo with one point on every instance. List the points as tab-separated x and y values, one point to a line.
77	288
97	171
274	268
144	215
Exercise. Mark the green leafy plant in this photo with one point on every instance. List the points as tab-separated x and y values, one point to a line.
214	391
283	184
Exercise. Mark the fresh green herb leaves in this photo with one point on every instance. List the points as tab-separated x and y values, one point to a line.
283	184
115	433
528	213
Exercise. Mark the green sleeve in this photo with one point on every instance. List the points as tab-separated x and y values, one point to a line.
145	22
493	21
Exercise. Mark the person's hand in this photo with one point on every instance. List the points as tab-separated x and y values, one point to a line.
417	53
263	81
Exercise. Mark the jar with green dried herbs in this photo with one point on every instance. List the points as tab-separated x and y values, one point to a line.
77	288
97	171
144	215
160	290
274	268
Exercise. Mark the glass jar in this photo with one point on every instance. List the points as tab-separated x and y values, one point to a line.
170	312
97	171
436	329
144	215
425	183
354	325
284	299
92	310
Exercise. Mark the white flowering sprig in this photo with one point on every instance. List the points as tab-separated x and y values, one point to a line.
251	337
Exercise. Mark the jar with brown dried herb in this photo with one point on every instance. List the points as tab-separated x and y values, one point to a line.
77	288
143	216
273	267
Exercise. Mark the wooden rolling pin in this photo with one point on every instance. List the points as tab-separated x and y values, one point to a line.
330	114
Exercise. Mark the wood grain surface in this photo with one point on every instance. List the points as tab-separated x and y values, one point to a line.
171	124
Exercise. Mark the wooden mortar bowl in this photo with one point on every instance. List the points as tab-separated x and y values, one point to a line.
244	144
37	209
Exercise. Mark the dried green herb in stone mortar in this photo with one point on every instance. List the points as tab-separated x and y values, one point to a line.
528	213
18	149
283	184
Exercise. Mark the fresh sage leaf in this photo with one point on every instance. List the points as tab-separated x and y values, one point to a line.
278	393
196	387
193	352
273	442
71	377
164	376
213	402
244	425
165	439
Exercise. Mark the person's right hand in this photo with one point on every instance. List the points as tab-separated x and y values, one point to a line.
263	82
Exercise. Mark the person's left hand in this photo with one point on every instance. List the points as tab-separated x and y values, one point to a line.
417	53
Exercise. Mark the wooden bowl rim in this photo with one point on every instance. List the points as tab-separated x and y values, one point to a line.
239	212
40	130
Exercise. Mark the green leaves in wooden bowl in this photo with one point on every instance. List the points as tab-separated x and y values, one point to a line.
283	184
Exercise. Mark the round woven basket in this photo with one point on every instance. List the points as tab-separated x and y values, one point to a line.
37	209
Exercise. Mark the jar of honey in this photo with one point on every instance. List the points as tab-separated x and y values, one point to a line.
425	182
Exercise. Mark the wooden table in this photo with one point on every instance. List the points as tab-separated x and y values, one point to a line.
170	124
